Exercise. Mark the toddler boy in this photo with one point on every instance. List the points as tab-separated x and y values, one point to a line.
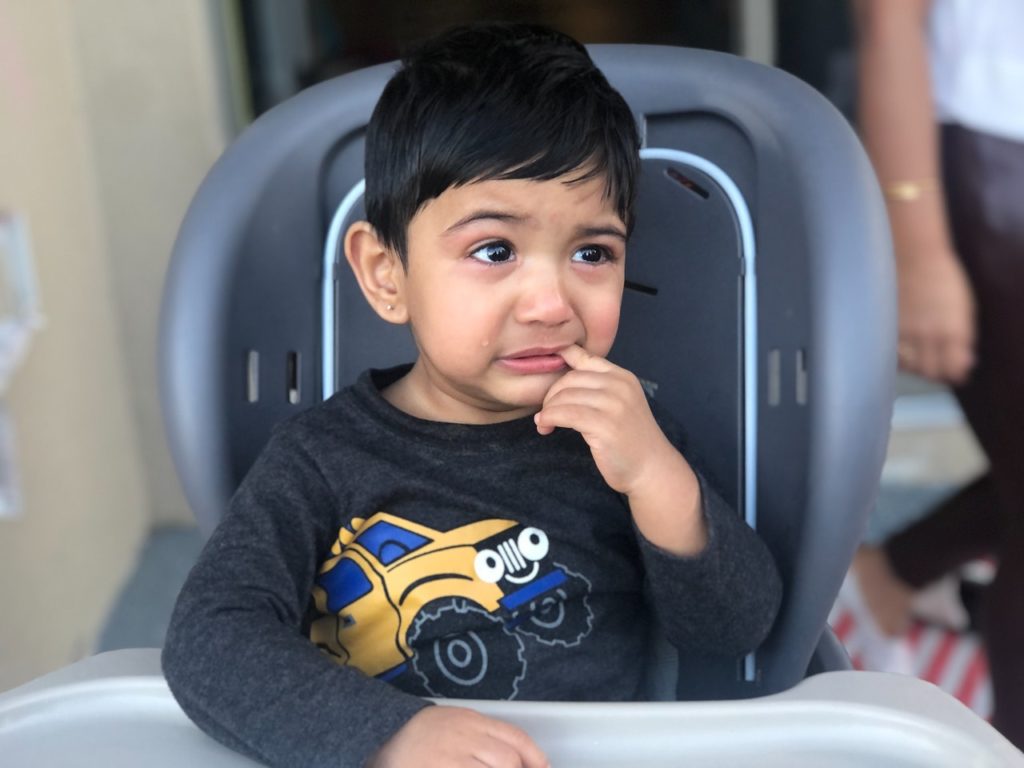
504	517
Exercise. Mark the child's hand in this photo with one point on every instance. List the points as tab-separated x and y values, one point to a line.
445	736
606	405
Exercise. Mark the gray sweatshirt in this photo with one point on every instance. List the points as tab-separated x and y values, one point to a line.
370	559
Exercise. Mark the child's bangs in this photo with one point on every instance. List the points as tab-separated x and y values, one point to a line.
557	149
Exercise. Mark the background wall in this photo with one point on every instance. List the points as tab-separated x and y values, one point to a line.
110	114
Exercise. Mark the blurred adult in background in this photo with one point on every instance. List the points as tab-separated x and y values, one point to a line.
941	112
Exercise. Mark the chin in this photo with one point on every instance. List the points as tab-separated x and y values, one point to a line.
532	401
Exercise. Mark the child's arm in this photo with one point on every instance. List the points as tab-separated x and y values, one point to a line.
235	656
697	551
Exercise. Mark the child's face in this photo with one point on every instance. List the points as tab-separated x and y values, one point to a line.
502	275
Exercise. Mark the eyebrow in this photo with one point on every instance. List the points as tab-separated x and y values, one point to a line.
599	231
505	216
481	215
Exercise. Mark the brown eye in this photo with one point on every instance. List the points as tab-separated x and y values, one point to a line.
493	253
591	254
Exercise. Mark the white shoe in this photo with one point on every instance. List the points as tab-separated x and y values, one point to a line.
878	651
939	603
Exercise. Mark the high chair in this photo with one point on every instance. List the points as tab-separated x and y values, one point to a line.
759	308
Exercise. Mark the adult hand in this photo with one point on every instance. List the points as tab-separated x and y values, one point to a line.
936	317
450	737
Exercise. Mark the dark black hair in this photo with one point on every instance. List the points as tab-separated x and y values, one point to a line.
494	101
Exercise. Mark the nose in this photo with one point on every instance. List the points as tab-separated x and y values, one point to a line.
544	299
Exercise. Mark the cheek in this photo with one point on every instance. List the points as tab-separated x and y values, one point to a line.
602	323
458	327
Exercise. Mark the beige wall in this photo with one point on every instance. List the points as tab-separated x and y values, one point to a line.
109	116
148	72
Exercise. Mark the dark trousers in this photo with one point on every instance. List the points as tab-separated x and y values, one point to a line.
984	179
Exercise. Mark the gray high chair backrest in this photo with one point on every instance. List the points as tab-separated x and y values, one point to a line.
759	309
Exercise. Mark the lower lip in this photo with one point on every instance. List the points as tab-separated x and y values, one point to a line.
534	364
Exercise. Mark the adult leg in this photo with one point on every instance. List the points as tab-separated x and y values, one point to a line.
961	528
986	186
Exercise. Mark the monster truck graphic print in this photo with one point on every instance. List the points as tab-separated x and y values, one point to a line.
457	605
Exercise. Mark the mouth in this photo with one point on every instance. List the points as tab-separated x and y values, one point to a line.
526	578
533	361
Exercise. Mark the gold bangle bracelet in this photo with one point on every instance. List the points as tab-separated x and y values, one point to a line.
910	190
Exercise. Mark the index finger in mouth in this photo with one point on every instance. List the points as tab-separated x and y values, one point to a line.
575	355
580	359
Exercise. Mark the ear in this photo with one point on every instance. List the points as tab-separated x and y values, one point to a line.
378	271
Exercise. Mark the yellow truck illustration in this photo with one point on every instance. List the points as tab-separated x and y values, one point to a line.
372	593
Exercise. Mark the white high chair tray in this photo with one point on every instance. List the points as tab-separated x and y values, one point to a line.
115	709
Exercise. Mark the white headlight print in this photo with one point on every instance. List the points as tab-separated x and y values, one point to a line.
517	560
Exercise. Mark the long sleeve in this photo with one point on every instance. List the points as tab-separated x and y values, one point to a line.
723	600
491	532
235	656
